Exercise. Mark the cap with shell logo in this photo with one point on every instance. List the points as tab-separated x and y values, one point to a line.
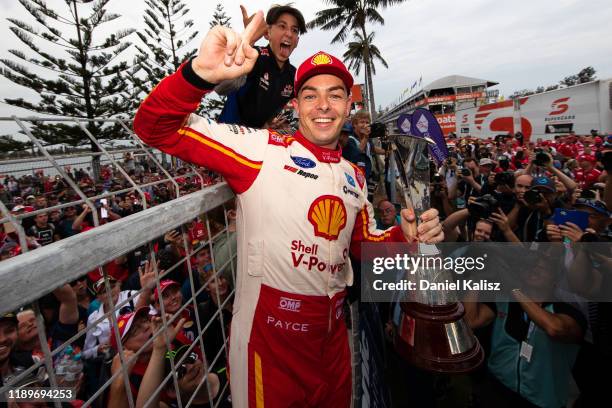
321	59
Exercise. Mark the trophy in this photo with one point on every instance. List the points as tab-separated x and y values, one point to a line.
432	333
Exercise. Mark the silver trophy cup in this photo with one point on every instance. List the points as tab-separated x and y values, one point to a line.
432	333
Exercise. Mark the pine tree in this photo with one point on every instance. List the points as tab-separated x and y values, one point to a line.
220	18
213	104
166	36
83	78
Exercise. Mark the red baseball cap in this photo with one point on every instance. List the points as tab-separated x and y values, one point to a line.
322	63
164	284
124	323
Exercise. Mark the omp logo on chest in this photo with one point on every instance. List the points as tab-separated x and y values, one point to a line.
302	173
290	305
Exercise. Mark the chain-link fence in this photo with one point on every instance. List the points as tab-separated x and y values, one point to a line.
116	283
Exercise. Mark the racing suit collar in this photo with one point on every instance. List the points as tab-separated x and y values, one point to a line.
323	154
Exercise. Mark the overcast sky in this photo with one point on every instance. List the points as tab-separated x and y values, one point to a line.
519	43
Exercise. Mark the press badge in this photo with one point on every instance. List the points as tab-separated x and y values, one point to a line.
526	351
526	348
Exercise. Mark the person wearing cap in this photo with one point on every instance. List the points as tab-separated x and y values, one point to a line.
586	175
269	84
13	361
97	339
599	220
537	204
301	210
172	299
350	151
134	331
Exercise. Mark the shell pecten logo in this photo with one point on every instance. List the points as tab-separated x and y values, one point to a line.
327	215
321	59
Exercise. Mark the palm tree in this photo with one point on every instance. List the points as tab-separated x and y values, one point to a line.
354	57
347	15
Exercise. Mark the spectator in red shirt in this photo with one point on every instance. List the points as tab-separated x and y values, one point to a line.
587	174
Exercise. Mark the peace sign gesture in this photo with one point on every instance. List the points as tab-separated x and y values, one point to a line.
225	54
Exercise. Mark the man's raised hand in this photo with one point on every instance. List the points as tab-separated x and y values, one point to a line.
225	54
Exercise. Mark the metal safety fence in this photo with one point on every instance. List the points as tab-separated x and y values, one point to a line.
116	285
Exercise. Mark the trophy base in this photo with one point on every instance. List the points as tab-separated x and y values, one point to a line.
437	339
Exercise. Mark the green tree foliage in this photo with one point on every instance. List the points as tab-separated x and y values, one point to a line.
354	55
220	18
166	37
81	75
348	15
213	104
9	144
585	75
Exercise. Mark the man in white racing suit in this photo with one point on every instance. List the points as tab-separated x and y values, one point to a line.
301	209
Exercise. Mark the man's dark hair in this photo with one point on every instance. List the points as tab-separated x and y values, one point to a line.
278	10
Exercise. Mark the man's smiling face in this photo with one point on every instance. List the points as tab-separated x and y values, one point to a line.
323	105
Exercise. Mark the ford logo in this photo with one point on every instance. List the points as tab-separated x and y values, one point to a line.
350	180
303	162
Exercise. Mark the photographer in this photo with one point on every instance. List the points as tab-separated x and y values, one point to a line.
503	192
482	215
469	182
536	205
542	163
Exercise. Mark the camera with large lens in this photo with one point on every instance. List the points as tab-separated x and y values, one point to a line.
541	158
483	206
532	197
588	194
377	129
504	162
465	172
504	178
437	183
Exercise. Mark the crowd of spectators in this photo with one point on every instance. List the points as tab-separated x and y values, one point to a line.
126	287
48	198
500	189
505	189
